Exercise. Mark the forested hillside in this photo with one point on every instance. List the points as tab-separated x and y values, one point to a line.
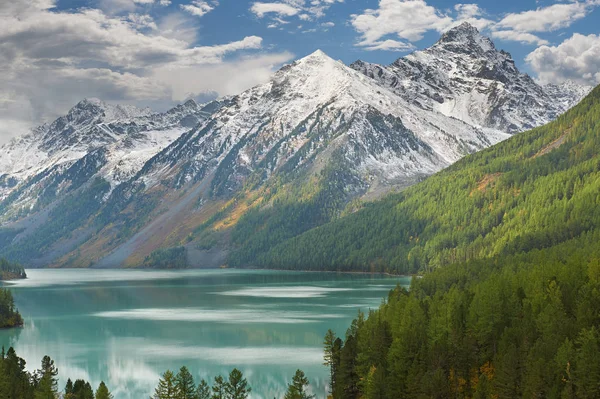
9	315
10	270
520	326
533	191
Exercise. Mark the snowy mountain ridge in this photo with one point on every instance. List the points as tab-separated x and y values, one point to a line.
464	76
125	135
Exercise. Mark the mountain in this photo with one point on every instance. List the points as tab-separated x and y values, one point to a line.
110	186
514	311
94	138
464	76
537	190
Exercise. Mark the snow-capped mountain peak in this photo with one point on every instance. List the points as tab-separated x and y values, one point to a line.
465	38
125	135
464	76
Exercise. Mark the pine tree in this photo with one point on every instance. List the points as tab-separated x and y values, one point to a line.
588	364
103	392
218	388
328	357
69	389
237	386
19	380
297	389
184	384
47	387
203	390
82	390
166	387
4	383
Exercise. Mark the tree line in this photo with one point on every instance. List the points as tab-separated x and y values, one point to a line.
18	383
11	270
182	386
517	326
9	315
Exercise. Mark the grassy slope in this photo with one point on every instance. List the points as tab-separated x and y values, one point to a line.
536	190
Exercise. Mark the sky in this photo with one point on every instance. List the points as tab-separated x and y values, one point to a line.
157	53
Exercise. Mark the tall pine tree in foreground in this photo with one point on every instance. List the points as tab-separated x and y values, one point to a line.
218	388
237	387
47	388
203	390
102	392
184	384
298	388
166	387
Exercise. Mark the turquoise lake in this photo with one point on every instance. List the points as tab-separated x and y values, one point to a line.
126	327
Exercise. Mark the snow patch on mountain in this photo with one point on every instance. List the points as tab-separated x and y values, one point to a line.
129	134
464	76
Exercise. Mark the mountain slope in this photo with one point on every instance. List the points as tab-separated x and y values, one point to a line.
536	190
317	125
255	170
464	76
93	139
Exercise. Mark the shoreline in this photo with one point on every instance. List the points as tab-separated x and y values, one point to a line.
13	327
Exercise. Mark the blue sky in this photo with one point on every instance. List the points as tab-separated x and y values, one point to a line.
159	52
233	19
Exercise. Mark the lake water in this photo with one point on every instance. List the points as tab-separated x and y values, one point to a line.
128	326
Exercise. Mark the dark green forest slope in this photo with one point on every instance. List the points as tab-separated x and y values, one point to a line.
521	326
534	191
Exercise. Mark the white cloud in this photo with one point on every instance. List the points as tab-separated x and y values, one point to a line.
305	11
405	19
466	11
523	37
577	58
198	8
519	26
225	79
546	19
261	9
409	20
139	21
389	45
51	60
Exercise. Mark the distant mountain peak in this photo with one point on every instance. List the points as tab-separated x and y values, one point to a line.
465	76
465	38
191	103
318	54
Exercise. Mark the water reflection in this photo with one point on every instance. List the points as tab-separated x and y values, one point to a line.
127	327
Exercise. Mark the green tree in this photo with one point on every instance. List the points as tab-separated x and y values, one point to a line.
9	315
184	384
203	390
166	387
82	390
47	388
298	388
102	392
237	387
69	389
218	388
328	357
587	372
19	380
